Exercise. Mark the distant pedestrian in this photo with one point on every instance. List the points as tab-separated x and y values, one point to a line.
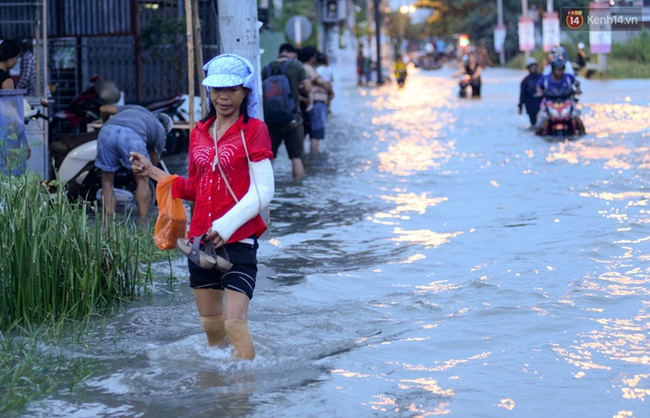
14	148
292	132
9	55
399	70
360	70
316	105
28	74
528	96
325	71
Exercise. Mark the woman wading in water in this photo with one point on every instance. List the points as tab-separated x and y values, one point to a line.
230	179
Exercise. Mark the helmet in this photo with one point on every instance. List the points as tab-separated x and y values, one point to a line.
531	61
558	63
558	52
166	121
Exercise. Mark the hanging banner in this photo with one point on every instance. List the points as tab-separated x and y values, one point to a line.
550	30
526	31
499	38
600	28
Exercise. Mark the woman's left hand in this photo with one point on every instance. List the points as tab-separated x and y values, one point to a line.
213	235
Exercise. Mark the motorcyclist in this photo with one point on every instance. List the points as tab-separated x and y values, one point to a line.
558	52
558	85
471	71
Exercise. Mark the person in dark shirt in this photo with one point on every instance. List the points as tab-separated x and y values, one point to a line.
9	54
581	57
528	92
132	128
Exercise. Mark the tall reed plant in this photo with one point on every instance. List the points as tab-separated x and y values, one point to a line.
57	262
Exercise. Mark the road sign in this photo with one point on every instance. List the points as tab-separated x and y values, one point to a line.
526	33
550	30
298	28
499	37
600	28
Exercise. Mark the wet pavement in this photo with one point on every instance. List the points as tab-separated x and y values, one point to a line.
437	259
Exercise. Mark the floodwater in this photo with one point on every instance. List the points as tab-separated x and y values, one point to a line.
438	259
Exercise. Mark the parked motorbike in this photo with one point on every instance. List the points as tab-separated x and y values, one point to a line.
74	156
178	139
427	62
84	108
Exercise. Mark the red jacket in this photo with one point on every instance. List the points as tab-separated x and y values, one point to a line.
206	187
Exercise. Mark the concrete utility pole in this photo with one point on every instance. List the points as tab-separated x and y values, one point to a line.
524	13
378	19
502	54
240	34
601	58
190	58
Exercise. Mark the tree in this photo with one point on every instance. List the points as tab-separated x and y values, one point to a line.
477	18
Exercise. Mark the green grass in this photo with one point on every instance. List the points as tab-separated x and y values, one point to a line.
622	68
58	269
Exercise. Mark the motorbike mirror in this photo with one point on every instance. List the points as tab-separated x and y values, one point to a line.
29	111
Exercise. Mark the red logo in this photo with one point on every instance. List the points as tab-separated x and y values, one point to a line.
574	19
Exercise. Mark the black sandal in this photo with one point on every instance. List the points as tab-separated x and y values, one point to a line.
203	254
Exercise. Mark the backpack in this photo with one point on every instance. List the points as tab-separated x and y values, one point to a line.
279	106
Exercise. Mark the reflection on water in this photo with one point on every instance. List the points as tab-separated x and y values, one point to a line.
438	259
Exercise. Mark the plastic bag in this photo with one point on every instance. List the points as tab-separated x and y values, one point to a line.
172	219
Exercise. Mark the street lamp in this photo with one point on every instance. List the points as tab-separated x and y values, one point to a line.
405	9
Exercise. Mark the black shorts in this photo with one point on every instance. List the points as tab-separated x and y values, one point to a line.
240	278
293	136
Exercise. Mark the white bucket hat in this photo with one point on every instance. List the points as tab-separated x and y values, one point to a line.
231	70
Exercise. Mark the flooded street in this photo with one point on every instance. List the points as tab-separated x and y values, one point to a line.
437	259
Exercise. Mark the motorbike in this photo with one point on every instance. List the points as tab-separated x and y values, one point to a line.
178	139
427	62
463	84
84	108
559	108
73	156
